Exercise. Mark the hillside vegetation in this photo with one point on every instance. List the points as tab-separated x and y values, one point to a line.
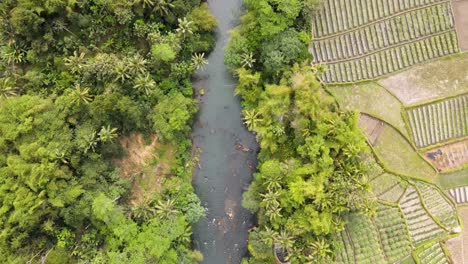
75	78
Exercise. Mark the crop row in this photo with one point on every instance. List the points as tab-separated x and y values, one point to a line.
459	194
393	59
393	194
365	240
340	15
438	122
438	206
433	255
345	253
393	233
421	226
386	33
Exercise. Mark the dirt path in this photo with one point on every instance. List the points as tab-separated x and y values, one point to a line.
450	156
460	10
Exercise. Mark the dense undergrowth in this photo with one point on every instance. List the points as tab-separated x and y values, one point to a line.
310	174
76	75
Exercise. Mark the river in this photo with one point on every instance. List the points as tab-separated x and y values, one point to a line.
228	152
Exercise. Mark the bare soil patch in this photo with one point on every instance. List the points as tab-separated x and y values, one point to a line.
372	127
460	11
458	247
145	164
450	156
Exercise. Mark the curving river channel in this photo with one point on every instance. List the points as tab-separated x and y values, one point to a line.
227	156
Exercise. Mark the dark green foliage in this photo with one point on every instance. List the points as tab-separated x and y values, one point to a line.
75	76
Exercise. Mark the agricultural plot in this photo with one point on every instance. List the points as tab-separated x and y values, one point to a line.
393	194
393	233
364	238
440	121
449	157
399	155
383	183
430	80
362	40
433	254
420	224
438	206
460	9
368	98
459	194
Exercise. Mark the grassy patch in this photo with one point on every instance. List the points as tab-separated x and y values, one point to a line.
372	99
440	78
454	179
383	183
398	155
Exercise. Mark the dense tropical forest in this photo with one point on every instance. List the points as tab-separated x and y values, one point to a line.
75	78
311	174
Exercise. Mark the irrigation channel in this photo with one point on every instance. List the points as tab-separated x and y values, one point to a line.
227	156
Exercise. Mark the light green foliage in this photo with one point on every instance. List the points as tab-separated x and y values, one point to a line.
163	52
171	116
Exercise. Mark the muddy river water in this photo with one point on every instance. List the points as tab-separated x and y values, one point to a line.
227	156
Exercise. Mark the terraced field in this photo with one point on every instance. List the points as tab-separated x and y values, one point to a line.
433	255
421	226
361	40
393	233
409	216
459	194
438	206
440	121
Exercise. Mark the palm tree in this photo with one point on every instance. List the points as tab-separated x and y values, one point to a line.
285	239
59	156
251	119
145	83
90	142
7	87
273	213
14	54
272	182
143	211
137	64
80	95
121	71
270	199
268	236
165	209
144	3
294	255
185	237
247	60
107	134
76	62
320	248
163	7
199	61
185	26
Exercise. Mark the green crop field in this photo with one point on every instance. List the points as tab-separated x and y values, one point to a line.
362	40
440	121
414	217
433	255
